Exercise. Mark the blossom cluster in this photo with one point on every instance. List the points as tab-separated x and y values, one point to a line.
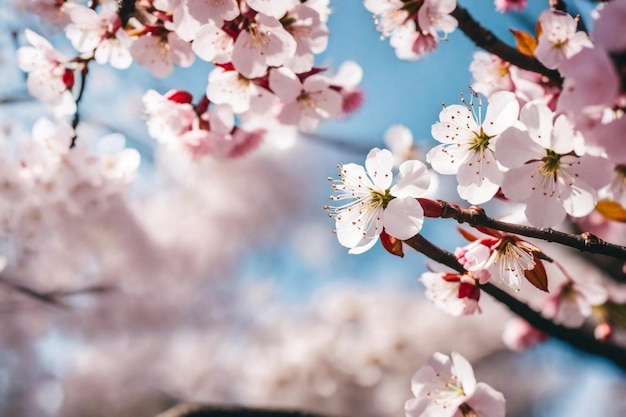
414	27
263	52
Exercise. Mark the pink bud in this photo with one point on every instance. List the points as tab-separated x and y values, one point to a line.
68	79
179	96
603	332
431	208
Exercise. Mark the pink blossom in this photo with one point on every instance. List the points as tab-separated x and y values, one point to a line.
50	76
160	53
446	387
559	40
572	301
434	17
504	6
311	35
544	172
454	294
467	145
304	103
520	335
263	43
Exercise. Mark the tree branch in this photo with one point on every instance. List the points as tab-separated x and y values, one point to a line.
475	216
574	337
81	90
206	410
487	40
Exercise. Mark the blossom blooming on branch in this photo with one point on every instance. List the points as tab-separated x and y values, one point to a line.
374	204
505	257
559	40
446	387
414	27
50	74
468	143
544	172
454	294
572	302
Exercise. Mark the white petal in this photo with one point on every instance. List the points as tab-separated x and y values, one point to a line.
403	218
463	370
379	164
479	178
544	210
447	159
285	84
538	120
413	180
502	112
514	148
486	401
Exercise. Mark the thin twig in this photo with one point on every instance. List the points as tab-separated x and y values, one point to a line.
81	90
487	40
584	242
583	341
206	410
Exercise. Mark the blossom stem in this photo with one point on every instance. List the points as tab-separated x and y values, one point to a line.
81	90
487	40
206	410
584	242
575	337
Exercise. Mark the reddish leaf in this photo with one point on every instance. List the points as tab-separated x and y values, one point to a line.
526	43
538	276
466	234
611	210
391	244
471	291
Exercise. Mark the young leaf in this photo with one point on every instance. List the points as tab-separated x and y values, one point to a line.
526	43
538	276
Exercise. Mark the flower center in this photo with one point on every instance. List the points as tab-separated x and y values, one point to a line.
551	163
467	411
480	141
380	200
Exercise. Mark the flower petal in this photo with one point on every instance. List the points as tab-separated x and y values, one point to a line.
403	218
413	180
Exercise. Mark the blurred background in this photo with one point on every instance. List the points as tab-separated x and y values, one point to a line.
222	282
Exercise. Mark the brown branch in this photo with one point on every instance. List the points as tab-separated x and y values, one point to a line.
487	40
475	216
55	297
582	341
81	90
206	410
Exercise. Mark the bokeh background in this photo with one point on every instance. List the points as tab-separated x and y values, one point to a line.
225	283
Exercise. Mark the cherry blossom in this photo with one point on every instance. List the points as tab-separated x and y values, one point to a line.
212	44
446	387
454	294
311	35
399	140
160	53
559	40
434	17
373	205
544	172
167	119
504	6
505	257
389	15
519	335
572	301
467	145
273	8
50	75
229	87
213	11
262	44
304	103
